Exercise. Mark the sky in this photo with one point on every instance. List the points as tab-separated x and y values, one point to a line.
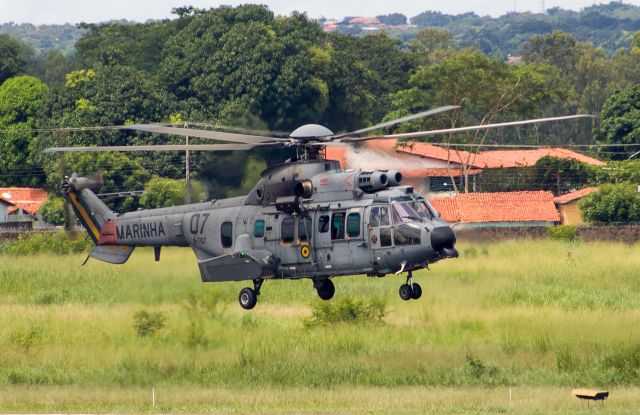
91	11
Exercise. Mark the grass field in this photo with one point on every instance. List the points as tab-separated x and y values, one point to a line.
535	317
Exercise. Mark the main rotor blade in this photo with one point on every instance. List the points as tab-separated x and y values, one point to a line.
170	147
464	129
400	120
192	132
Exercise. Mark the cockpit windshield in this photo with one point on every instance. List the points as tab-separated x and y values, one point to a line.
423	210
404	212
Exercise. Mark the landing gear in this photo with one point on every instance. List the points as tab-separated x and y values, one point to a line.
417	291
405	292
249	297
325	289
410	290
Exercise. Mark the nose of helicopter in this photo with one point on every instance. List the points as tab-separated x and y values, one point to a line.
442	240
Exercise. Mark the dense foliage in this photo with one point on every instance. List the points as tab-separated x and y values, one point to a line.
246	67
620	122
612	203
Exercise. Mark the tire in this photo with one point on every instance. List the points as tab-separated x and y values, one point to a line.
247	298
417	291
405	292
326	290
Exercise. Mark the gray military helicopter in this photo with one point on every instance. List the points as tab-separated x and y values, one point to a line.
305	218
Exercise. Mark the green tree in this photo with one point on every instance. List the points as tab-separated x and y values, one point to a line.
52	211
561	175
431	45
119	172
107	96
12	58
228	62
612	203
21	98
488	90
364	72
160	192
620	123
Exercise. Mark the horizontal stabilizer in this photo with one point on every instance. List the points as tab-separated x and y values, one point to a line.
111	253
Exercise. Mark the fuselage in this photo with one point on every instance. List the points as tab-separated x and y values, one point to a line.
334	229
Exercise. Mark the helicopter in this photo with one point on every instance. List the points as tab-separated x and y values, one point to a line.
305	218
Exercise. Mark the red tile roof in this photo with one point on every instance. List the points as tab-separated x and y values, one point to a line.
570	197
496	158
497	207
382	154
387	154
27	198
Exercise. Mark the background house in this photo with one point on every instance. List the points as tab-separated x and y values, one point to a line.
432	168
568	206
24	203
4	209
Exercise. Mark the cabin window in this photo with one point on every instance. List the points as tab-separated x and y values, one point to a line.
353	225
287	230
226	234
258	228
304	229
337	225
323	224
385	236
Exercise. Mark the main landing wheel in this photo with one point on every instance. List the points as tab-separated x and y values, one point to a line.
405	292
247	298
417	291
325	289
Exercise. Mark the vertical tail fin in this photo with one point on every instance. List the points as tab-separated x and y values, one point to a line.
90	210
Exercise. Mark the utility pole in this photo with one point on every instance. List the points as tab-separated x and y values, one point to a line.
187	173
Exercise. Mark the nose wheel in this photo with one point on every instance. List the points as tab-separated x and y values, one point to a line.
410	290
248	297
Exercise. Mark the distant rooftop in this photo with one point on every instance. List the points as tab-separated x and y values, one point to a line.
528	206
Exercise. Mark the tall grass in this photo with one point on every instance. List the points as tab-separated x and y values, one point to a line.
527	313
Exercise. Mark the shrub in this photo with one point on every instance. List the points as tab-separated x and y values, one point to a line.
147	324
52	211
28	338
612	203
58	243
563	232
347	310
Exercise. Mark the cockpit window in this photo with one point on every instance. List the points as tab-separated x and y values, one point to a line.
374	217
384	216
404	212
424	210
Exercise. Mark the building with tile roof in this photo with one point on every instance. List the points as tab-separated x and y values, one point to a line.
5	205
25	201
568	208
432	168
528	208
